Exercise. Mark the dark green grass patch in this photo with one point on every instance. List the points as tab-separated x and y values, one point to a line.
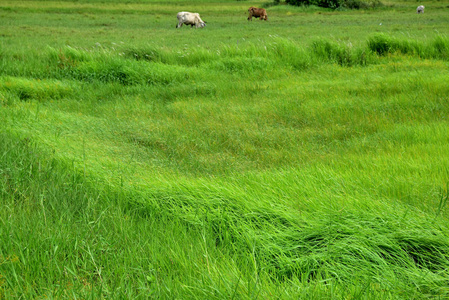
383	44
27	89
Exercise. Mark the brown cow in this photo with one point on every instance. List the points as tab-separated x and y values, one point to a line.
257	13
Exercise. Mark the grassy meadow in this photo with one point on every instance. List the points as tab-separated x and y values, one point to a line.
300	158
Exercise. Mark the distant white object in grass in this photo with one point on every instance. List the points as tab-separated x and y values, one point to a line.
380	24
189	18
420	9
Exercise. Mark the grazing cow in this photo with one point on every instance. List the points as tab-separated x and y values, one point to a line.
190	19
257	13
420	9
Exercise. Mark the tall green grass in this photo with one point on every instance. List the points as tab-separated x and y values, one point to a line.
266	167
66	236
150	65
383	44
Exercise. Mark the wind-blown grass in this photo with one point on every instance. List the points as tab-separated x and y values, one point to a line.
92	252
270	168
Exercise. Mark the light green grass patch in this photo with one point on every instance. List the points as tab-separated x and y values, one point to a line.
280	159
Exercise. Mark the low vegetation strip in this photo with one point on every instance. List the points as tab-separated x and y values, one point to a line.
162	67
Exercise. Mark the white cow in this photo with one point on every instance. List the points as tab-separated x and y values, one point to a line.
420	9
189	18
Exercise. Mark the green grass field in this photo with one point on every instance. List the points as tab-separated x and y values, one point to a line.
300	158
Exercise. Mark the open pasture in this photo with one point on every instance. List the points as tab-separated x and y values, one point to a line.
37	24
302	157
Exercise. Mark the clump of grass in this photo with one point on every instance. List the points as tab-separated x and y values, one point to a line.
332	52
26	89
108	70
383	44
380	44
107	66
68	57
290	53
440	45
147	53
